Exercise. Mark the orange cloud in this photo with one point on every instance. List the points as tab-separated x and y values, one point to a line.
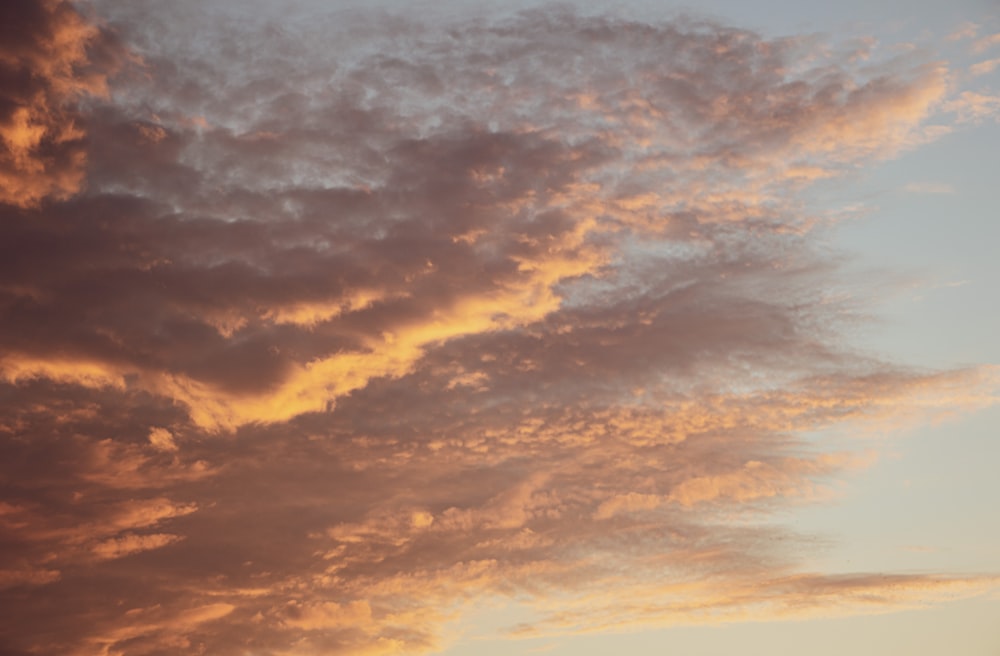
42	153
130	543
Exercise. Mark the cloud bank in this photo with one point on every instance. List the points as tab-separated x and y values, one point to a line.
314	333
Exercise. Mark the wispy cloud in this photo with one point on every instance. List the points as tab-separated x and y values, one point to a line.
929	188
974	107
334	327
984	67
967	30
986	43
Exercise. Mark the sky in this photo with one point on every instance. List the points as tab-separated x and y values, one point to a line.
340	328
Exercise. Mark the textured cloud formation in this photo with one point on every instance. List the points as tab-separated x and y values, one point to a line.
49	57
313	334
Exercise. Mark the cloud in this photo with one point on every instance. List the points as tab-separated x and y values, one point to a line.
986	43
967	30
51	57
974	107
794	597
518	209
984	67
929	188
338	328
27	576
130	543
171	629
161	439
331	615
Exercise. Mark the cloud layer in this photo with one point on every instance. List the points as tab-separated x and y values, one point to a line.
314	333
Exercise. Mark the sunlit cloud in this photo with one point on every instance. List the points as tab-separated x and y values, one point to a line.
316	333
47	61
967	30
984	67
986	43
974	107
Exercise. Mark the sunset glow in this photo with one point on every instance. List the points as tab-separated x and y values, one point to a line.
337	330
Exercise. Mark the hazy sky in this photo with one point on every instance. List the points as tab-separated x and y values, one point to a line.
435	328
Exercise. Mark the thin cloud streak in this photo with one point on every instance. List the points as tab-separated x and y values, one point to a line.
929	188
324	333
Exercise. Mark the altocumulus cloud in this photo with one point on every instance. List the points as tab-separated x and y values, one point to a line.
314	332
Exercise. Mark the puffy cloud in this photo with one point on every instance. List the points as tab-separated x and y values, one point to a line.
161	439
50	58
349	326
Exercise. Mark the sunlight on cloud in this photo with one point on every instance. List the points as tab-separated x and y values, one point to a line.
316	334
44	155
